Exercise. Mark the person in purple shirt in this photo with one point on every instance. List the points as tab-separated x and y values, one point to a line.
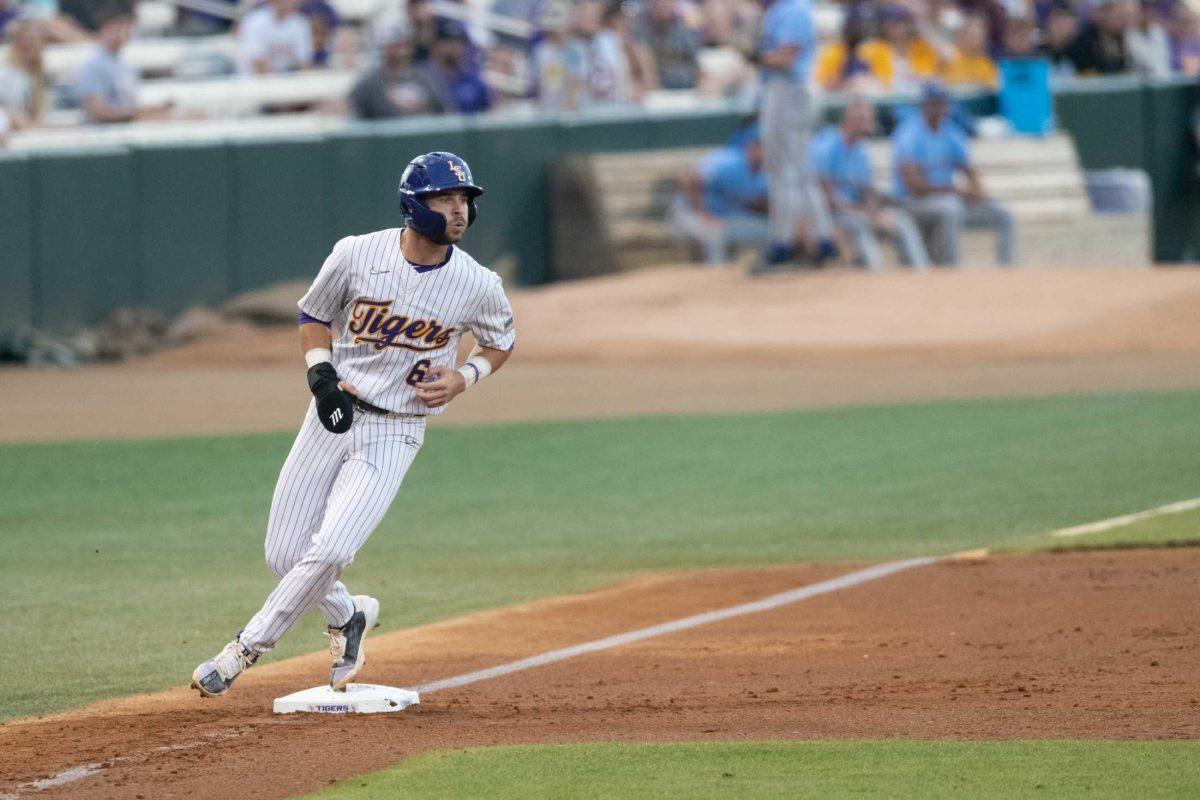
787	114
929	152
839	161
460	87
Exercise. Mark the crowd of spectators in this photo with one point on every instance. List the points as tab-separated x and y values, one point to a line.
594	53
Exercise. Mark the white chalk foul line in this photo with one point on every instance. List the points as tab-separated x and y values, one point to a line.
766	604
84	770
553	656
1129	519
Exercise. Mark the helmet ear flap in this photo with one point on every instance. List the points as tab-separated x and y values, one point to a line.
472	211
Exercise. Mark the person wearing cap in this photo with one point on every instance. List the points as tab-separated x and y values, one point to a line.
459	87
723	202
929	152
788	111
840	162
900	58
394	87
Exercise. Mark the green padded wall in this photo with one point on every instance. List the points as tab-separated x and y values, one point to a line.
183	212
16	244
282	193
83	239
169	226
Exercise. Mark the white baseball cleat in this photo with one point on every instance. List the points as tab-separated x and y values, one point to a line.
214	677
346	642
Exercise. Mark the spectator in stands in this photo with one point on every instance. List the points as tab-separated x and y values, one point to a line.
1185	42
456	81
1062	27
106	84
928	152
422	28
839	67
1020	38
900	59
559	69
970	64
668	48
723	202
275	37
730	23
1147	43
601	49
838	158
394	87
1099	48
323	21
23	79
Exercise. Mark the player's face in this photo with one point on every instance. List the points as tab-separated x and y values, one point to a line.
453	206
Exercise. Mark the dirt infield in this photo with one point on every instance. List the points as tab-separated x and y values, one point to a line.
1099	645
681	340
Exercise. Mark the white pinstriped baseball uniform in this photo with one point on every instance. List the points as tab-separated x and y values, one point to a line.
391	320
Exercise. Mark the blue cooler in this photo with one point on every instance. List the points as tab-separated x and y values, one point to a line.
1025	98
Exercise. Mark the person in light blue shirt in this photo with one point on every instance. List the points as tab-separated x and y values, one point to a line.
929	153
799	221
789	41
723	202
838	158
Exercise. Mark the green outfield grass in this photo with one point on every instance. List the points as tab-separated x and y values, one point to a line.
788	770
1168	530
128	562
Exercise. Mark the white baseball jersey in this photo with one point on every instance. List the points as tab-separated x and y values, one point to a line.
392	320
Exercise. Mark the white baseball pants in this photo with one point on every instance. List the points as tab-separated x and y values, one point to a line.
332	492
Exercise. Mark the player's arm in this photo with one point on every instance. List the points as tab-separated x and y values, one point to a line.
446	383
491	323
316	336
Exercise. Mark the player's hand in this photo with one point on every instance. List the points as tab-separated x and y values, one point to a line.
348	388
441	385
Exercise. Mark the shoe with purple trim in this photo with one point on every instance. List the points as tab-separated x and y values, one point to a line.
214	677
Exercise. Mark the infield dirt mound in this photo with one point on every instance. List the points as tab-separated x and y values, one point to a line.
685	340
1080	645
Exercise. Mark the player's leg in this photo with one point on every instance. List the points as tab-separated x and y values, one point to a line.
301	492
297	507
364	488
858	229
909	245
774	128
991	214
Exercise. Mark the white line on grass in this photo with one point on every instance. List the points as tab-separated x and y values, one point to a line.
1129	519
767	603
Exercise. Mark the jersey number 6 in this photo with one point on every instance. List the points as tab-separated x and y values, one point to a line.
418	372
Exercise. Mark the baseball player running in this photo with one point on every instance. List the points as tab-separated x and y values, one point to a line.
379	328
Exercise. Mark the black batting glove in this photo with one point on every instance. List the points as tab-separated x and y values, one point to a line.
335	408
